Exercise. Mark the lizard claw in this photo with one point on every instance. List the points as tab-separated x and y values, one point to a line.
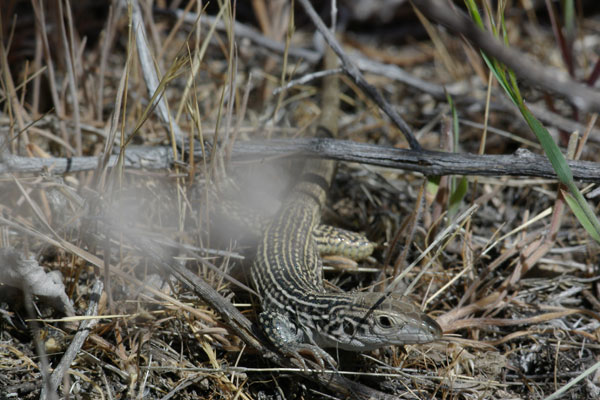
319	355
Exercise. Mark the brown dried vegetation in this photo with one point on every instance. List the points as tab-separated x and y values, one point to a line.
111	178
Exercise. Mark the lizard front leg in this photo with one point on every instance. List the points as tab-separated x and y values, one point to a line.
289	338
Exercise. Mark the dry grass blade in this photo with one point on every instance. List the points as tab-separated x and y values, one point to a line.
155	87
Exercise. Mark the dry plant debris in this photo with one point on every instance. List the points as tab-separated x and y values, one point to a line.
32	280
125	124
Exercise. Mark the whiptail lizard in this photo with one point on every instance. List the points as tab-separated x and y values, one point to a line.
298	315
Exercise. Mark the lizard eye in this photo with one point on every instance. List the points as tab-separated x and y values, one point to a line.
384	321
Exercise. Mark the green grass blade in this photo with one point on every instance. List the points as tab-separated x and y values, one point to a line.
457	196
581	214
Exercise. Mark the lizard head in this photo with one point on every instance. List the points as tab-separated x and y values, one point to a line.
375	320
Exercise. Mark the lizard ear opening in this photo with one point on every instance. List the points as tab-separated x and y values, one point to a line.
348	328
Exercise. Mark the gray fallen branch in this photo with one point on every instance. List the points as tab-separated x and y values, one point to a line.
151	158
521	163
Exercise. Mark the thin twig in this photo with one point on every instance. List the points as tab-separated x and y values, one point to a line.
78	339
306	78
244	31
352	70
